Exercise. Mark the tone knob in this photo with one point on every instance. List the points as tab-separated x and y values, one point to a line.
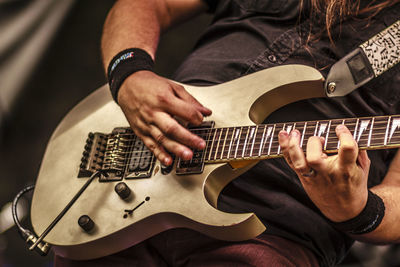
122	190
86	223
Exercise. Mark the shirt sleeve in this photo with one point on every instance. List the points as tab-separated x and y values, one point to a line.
212	4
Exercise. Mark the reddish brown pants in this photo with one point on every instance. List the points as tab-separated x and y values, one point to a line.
181	247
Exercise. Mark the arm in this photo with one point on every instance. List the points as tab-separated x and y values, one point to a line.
152	112
339	186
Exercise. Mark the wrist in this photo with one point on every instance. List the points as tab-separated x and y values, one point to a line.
367	220
124	64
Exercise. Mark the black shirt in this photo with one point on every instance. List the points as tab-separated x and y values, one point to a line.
249	35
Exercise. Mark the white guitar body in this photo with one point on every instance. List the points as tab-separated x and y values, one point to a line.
167	201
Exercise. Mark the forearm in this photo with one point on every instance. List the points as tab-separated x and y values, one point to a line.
389	191
140	23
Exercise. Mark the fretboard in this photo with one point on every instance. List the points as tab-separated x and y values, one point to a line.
261	141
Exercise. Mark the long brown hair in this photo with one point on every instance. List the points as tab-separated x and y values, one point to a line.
333	11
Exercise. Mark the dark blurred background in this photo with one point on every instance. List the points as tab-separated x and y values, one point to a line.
47	65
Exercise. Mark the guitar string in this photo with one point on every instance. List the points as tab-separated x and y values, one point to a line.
256	144
306	134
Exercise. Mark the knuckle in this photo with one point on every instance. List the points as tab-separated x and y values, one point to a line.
301	168
171	129
160	139
163	98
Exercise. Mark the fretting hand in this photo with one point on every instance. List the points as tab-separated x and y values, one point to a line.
336	184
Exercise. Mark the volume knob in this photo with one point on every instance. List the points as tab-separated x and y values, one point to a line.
86	223
122	190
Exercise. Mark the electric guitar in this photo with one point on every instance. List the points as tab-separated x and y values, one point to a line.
126	196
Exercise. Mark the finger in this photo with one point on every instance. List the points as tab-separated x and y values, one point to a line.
296	153
314	153
175	131
363	160
172	146
159	140
348	149
158	151
184	95
182	109
283	139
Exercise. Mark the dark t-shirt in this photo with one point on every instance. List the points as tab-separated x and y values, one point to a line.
249	35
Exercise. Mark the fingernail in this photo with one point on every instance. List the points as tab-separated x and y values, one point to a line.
186	155
201	144
294	133
166	161
283	133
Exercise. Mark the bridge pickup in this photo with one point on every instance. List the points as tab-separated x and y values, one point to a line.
196	164
141	161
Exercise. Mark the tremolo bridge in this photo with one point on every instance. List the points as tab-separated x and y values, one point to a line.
121	154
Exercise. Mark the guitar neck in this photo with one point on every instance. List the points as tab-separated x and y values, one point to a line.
261	141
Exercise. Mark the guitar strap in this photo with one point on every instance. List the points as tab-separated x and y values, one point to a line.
368	61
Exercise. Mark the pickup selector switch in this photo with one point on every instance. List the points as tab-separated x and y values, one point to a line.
122	190
86	223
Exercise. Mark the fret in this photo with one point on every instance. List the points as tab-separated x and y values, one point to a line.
212	143
254	133
245	142
235	132
338	143
387	130
355	130
279	146
223	146
370	132
327	134
271	139
311	130
274	148
236	140
316	129
363	132
302	135
394	128
209	133
378	136
262	142
217	147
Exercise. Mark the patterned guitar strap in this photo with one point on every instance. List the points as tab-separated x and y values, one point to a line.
368	61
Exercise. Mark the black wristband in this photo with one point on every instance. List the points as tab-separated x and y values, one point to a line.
124	64
368	220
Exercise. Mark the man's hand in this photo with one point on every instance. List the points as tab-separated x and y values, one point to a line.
338	184
153	105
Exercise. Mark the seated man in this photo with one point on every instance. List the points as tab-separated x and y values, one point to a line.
314	205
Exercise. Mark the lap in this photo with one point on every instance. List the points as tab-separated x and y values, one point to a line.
183	247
